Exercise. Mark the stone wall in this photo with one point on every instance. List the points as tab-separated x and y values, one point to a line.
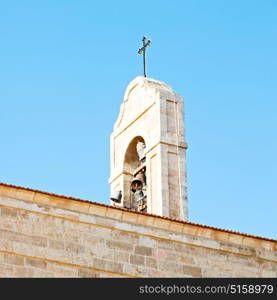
45	235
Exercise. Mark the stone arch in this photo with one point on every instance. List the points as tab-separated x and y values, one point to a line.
131	157
132	163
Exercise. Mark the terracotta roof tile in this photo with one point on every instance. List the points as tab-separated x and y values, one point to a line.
135	212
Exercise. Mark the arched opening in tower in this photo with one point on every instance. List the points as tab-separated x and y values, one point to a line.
135	165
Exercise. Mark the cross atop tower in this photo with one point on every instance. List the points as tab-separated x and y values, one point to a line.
146	42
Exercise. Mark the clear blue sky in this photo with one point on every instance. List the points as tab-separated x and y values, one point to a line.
64	66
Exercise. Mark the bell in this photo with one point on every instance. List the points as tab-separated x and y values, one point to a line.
139	195
136	184
140	150
116	196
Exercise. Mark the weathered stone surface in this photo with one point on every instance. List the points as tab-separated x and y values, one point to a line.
151	262
6	271
99	263
119	245
56	244
62	270
74	248
142	250
51	245
114	267
8	212
13	259
20	272
121	256
38	241
137	260
192	271
86	273
35	263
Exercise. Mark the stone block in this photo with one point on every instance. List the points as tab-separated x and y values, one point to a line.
220	235
268	245
87	273
187	259
23	272
269	274
118	245
13	259
135	270
251	242
23	248
103	221
142	250
8	212
100	251
160	254
100	232
110	275
192	271
79	206
24	195
6	271
39	273
37	240
6	225
6	245
137	260
124	236
66	213
99	263
236	238
59	245
12	235
205	232
6	191
43	199
87	218
35	263
151	262
174	256
121	256
177	227
60	270
129	217
190	229
73	236
145	220
147	241
97	210
170	267
268	255
114	213
114	267
161	223
74	248
225	268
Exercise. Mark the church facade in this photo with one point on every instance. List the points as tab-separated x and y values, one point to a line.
145	231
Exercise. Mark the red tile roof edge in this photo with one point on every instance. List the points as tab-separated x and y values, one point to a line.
140	213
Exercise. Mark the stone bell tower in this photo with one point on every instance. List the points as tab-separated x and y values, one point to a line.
148	151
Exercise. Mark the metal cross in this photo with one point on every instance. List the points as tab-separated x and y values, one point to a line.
146	42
